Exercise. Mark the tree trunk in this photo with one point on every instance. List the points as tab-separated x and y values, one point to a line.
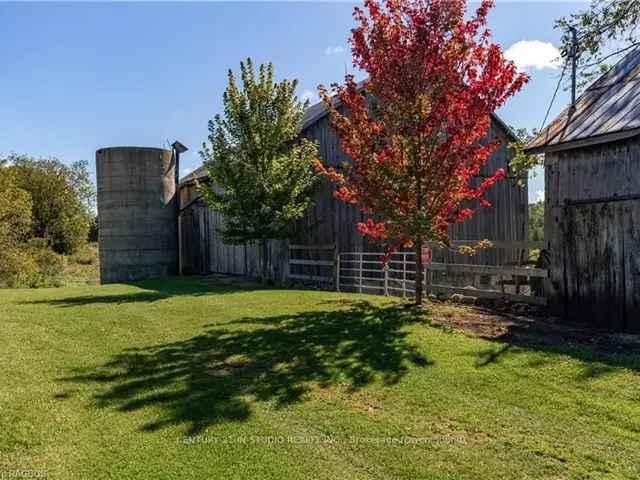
265	261
419	271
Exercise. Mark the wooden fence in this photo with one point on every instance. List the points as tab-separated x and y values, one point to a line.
366	272
313	264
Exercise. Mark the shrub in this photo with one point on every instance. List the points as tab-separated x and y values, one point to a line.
17	268
50	265
87	255
30	265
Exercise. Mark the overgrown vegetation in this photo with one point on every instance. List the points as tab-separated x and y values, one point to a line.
180	380
83	267
45	213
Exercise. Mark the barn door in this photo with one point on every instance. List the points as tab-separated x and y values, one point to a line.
602	264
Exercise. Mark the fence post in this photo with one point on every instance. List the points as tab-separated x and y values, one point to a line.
404	275
386	280
337	267
360	275
427	280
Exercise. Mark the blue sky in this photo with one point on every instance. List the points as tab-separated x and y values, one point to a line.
80	76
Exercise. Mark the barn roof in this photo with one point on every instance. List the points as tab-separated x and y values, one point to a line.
313	114
608	110
318	111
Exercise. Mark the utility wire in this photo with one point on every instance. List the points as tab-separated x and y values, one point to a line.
555	94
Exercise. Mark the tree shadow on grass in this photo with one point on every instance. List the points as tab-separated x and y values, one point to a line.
602	352
214	377
152	291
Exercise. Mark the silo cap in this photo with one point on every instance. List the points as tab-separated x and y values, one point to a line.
178	147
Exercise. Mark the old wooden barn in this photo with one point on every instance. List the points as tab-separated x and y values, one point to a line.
592	205
332	222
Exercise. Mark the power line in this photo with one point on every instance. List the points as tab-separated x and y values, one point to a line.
555	94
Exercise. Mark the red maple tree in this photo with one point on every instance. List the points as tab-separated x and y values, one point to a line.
413	128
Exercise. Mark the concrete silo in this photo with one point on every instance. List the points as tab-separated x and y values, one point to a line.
137	213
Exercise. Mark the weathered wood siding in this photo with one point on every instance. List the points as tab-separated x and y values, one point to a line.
592	233
204	250
331	220
507	219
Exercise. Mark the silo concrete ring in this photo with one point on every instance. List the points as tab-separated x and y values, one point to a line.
137	213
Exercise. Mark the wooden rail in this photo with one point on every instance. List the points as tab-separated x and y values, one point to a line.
357	270
364	271
502	244
319	270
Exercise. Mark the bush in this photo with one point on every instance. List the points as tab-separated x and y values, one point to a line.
50	265
17	268
31	265
87	255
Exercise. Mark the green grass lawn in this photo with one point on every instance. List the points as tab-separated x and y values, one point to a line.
177	379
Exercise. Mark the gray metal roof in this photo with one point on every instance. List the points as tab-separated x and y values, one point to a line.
317	111
312	114
198	174
608	110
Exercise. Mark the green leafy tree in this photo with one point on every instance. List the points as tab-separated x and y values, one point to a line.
536	221
261	171
15	209
606	30
62	200
16	264
523	164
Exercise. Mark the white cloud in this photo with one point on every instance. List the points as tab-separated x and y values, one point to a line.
534	54
309	95
539	195
333	50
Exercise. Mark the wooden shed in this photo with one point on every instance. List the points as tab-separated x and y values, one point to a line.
592	204
330	221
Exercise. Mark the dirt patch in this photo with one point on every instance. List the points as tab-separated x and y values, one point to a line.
530	330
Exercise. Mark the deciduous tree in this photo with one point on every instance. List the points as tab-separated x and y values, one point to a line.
62	199
261	171
413	129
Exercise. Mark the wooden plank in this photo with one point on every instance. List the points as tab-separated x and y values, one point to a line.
319	278
632	266
294	261
489	270
502	244
490	294
329	246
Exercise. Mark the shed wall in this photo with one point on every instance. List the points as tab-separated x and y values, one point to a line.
592	210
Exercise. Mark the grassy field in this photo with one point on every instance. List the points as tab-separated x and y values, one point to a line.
179	379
